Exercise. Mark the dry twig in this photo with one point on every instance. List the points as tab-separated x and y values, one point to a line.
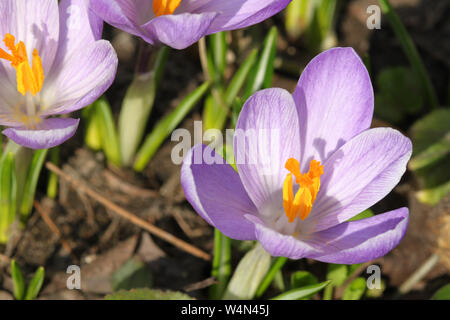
49	222
129	216
200	285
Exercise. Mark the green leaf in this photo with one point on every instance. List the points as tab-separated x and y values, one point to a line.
221	268
110	141
249	274
92	135
432	154
237	107
8	195
238	80
31	181
432	196
302	278
398	94
18	282
218	48
215	114
278	281
353	267
35	284
337	273
276	266
442	294
430	129
148	294
52	186
302	293
137	106
165	127
298	17
319	34
132	274
262	73
363	215
411	53
355	290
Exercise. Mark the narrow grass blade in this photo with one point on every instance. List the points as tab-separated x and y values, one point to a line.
411	52
18	282
221	264
262	73
218	47
110	141
8	196
166	126
301	293
238	80
92	135
52	186
276	266
31	181
35	284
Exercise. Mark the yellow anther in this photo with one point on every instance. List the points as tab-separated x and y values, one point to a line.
30	78
163	7
301	204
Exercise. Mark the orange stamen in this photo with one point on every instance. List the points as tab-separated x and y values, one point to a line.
29	78
163	7
301	204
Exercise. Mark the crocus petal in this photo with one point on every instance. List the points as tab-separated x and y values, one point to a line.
335	100
36	23
85	78
50	133
362	240
280	245
217	194
126	15
358	175
266	136
178	31
84	67
236	14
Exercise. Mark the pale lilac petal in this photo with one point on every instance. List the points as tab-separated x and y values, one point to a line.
178	31
50	133
266	136
126	15
216	193
280	245
84	66
358	175
362	240
36	23
236	14
335	100
85	78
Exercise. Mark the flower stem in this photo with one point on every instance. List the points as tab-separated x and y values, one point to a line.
411	52
221	264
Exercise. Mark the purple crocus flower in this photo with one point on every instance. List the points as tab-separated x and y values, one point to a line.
180	23
315	166
51	63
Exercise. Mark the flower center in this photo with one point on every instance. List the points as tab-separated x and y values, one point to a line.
30	78
301	204
162	7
